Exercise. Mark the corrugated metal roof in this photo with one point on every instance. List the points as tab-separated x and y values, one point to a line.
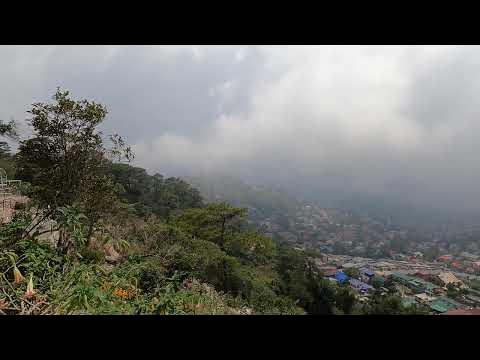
438	307
360	284
443	304
341	276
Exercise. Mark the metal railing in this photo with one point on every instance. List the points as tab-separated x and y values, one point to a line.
8	188
7	185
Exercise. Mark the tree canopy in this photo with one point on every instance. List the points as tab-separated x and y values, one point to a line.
66	160
154	194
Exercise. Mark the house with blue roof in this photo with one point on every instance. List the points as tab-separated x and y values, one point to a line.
341	277
360	286
366	274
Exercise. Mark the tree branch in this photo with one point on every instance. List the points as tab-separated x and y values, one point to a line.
38	223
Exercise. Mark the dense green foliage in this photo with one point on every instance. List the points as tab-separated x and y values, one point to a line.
392	305
66	160
377	282
8	129
352	272
154	194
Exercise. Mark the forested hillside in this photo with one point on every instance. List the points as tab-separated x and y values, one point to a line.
261	199
95	235
153	194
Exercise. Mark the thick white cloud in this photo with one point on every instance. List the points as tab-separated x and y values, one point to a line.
397	122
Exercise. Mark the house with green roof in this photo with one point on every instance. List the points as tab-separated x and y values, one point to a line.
416	284
444	304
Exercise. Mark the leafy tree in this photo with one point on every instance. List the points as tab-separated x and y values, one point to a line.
345	300
66	160
154	194
352	272
377	282
388	305
200	258
291	267
302	283
392	305
322	292
4	150
266	301
251	246
216	222
452	291
8	129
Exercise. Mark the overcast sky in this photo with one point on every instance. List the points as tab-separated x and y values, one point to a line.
395	122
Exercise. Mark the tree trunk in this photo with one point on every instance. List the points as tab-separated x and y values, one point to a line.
25	234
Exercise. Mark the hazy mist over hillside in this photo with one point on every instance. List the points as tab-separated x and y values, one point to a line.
365	124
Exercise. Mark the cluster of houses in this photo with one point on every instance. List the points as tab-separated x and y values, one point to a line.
429	294
362	285
421	291
338	232
418	285
464	262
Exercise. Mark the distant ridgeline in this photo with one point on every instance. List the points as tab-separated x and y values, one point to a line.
277	214
357	224
396	213
261	201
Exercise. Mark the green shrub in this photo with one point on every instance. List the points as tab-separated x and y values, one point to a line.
90	255
12	232
24	188
252	247
265	301
237	278
196	298
80	291
151	276
202	259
